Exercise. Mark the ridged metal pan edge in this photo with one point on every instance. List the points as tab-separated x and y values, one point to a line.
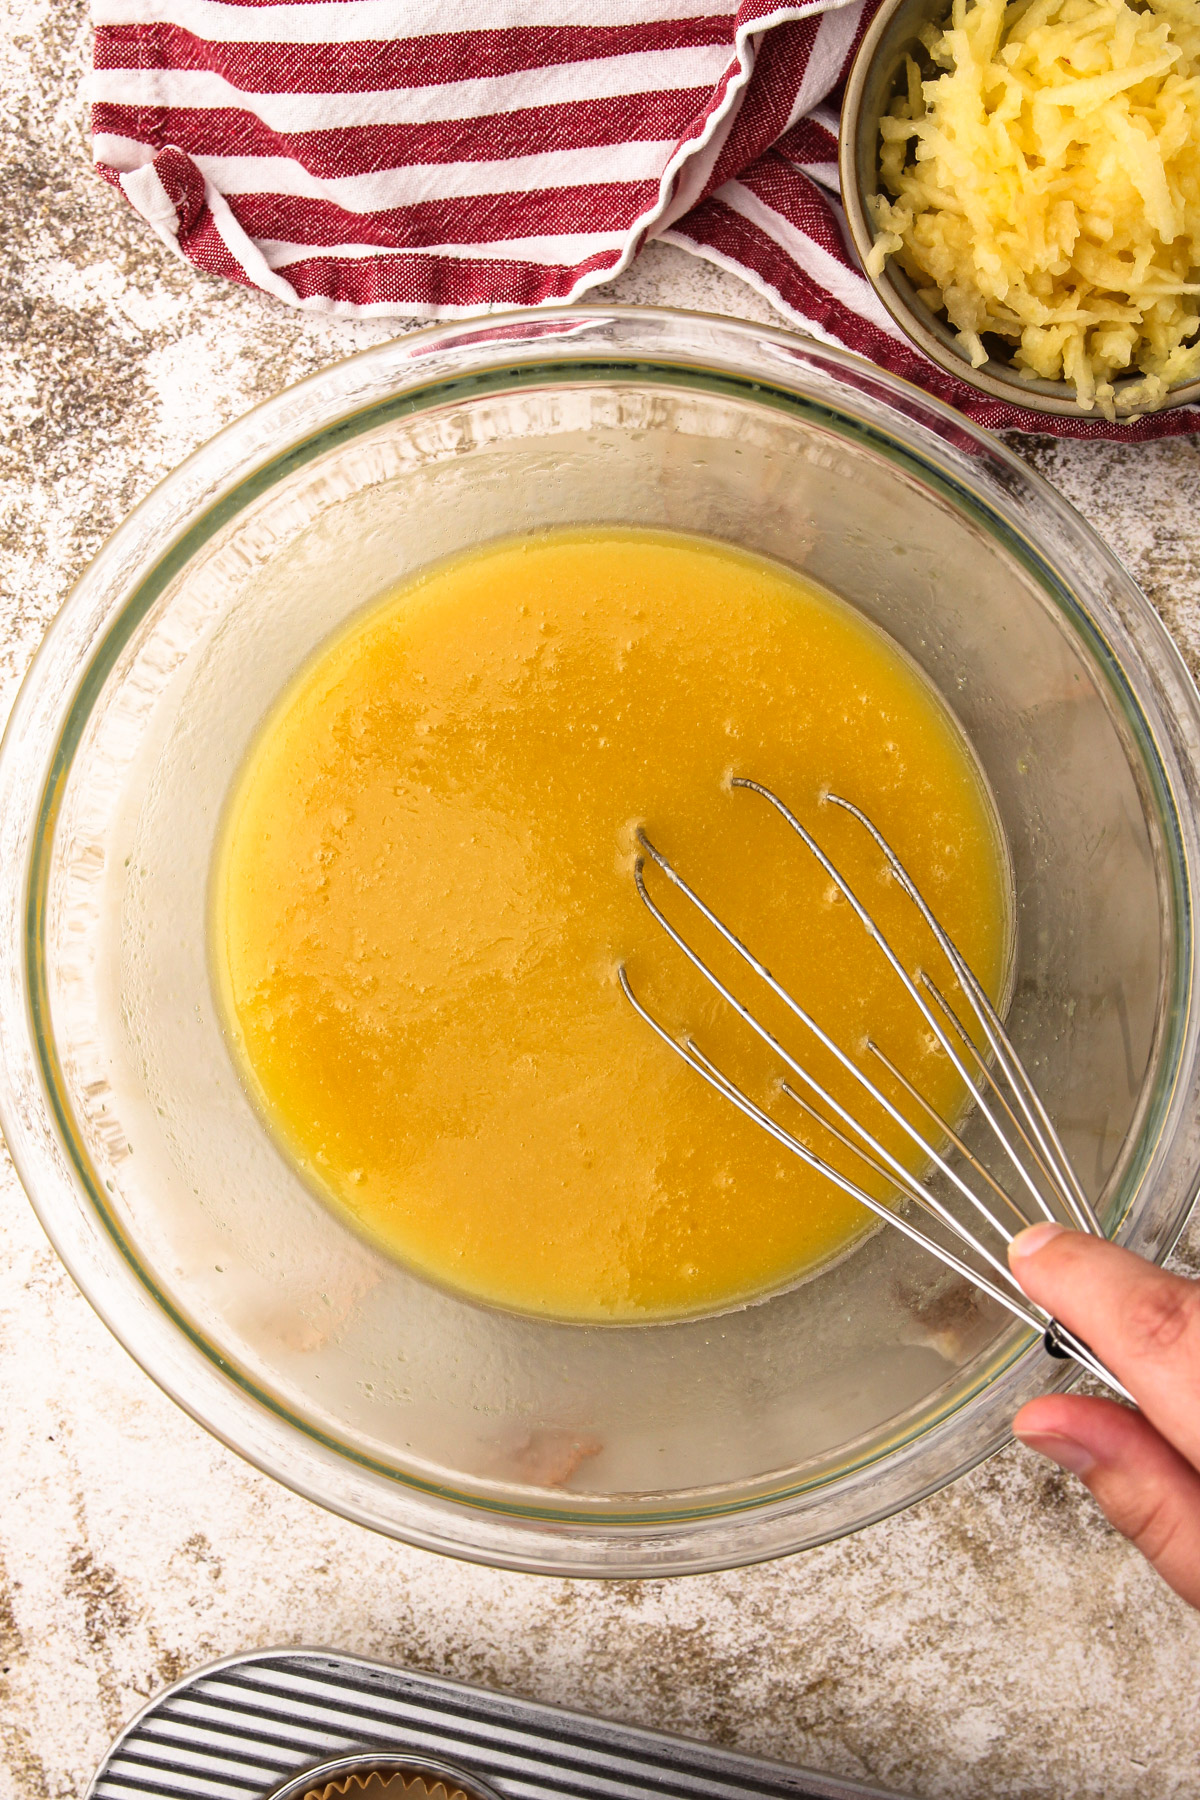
239	1728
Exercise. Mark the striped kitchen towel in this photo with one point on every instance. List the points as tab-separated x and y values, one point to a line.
431	158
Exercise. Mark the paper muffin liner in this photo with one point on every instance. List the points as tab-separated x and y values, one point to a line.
374	1784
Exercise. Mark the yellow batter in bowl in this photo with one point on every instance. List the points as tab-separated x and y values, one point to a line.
425	887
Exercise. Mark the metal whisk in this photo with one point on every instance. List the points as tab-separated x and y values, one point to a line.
1038	1182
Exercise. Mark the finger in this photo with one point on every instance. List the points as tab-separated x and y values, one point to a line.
1142	1322
1144	1487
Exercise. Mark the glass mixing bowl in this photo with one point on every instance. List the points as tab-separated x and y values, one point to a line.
605	1450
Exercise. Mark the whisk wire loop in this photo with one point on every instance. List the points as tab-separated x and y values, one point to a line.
1029	1124
1058	1340
947	1130
760	969
989	1020
902	974
1048	1174
722	1083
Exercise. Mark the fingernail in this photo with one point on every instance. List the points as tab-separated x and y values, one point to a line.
1067	1452
1033	1239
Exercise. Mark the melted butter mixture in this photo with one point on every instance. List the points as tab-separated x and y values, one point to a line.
425	887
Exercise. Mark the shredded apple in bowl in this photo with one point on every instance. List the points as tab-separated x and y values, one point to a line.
1045	189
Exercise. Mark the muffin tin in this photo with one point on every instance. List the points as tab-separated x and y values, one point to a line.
279	1724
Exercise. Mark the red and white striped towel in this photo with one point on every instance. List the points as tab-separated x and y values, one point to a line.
437	157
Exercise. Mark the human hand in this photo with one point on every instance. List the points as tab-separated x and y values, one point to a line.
1143	1467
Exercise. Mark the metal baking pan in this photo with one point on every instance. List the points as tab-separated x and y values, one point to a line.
244	1727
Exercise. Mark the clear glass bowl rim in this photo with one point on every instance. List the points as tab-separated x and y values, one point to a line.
31	764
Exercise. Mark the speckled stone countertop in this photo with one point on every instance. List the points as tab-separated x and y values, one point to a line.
997	1640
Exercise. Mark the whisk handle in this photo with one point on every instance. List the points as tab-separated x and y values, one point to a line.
1054	1339
1066	1347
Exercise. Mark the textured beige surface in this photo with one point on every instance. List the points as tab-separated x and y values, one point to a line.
996	1641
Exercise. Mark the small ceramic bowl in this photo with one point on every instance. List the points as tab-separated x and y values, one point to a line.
877	73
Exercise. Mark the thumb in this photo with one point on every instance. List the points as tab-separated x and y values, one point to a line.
1141	1321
